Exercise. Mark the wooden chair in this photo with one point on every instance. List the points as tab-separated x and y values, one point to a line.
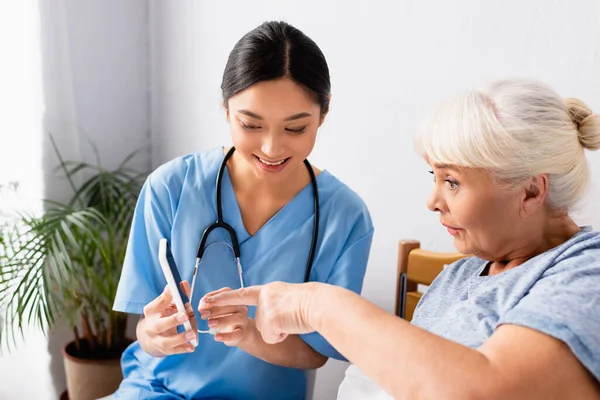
417	266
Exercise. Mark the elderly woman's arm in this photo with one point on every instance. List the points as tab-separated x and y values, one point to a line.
408	362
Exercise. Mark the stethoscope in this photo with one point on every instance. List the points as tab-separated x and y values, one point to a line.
232	235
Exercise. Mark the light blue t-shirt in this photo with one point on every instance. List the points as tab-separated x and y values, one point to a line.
178	202
556	293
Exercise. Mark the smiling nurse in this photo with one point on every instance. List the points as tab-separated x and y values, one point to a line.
276	94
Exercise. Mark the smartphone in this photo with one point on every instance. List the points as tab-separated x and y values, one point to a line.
171	273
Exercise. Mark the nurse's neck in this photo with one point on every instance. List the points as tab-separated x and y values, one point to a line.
245	181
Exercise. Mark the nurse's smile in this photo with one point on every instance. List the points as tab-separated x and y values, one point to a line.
271	166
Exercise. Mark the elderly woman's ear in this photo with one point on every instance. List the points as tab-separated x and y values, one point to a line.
534	193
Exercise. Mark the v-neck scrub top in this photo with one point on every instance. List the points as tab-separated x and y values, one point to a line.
177	202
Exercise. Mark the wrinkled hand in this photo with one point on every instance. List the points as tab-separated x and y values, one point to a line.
282	309
229	320
159	330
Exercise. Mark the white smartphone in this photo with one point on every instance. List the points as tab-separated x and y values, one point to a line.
169	268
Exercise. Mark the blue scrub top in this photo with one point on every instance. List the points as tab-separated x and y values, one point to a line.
177	202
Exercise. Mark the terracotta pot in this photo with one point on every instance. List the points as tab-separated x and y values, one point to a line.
90	379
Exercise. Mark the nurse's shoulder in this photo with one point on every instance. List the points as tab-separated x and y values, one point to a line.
343	205
190	171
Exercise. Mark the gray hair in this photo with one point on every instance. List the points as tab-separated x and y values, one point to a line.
516	129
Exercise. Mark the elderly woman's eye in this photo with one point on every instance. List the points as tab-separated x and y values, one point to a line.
453	184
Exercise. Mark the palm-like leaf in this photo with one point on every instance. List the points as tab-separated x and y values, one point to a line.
68	261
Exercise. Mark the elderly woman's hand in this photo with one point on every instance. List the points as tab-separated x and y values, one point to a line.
281	308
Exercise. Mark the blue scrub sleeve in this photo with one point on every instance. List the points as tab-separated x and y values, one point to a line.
349	273
141	278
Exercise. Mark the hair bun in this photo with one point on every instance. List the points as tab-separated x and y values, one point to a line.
586	122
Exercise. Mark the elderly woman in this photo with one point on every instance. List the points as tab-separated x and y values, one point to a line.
520	319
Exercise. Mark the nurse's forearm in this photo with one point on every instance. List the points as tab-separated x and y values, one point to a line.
386	347
293	352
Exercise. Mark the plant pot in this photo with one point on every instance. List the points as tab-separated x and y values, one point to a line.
89	379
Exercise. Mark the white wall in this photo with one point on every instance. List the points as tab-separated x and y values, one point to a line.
95	88
96	80
390	62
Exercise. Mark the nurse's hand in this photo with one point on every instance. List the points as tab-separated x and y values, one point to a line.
230	321
157	331
282	309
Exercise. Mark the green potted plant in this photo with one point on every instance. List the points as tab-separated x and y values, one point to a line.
65	263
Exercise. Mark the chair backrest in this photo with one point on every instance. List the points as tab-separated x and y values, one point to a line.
417	266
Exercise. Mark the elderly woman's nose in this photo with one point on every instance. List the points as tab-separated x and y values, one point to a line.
433	201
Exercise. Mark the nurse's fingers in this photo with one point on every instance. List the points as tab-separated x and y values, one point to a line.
167	312
164	324
228	323
159	304
184	348
191	315
242	297
176	344
230	338
216	312
185	286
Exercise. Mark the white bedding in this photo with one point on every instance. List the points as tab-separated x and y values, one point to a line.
357	386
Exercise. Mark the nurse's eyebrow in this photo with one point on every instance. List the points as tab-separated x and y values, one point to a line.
292	118
297	116
250	114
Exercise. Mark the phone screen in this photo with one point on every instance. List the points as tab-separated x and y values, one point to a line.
176	275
